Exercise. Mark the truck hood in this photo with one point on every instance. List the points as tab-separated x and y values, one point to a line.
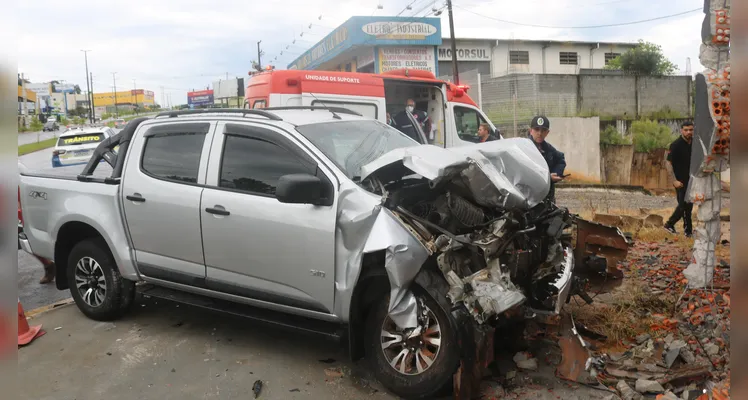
502	173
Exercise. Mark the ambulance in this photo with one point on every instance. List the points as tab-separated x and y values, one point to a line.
455	117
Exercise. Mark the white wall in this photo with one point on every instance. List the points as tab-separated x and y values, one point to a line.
589	56
579	140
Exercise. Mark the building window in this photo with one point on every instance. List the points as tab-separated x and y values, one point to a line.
519	57
610	56
568	58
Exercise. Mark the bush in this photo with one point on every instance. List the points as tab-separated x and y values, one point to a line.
35	124
650	135
110	124
106	115
64	121
611	137
79	120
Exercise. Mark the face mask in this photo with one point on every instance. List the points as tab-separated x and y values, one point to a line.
410	108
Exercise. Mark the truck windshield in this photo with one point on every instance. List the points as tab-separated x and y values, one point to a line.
353	144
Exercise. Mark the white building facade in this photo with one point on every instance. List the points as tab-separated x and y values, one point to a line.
492	57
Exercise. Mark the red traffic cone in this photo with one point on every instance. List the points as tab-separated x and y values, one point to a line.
25	333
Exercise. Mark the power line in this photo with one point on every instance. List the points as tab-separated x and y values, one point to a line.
580	27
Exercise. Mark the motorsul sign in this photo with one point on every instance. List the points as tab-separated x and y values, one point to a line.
476	53
399	30
200	97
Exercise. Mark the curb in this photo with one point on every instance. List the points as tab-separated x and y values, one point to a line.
43	309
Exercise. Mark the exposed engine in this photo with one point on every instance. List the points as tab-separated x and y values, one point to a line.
493	258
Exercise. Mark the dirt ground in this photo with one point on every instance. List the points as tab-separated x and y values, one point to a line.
167	351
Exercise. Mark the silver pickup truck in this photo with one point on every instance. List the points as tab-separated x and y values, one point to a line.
317	219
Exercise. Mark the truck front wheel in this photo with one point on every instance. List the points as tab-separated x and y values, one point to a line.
414	366
97	287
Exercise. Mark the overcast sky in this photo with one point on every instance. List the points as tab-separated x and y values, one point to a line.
186	44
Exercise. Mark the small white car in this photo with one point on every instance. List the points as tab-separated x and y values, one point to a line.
76	146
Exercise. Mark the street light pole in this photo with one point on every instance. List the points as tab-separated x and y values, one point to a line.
88	87
259	54
114	80
455	73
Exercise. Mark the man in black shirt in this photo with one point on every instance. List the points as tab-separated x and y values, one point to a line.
679	157
540	127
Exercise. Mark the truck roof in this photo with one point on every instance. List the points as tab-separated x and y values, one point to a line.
296	115
346	83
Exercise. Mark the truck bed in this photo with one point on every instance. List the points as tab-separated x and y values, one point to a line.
53	197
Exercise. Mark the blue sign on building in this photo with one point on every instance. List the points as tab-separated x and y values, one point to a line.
376	33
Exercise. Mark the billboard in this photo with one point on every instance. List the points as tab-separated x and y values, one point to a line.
411	57
369	32
41	89
224	89
64	88
200	98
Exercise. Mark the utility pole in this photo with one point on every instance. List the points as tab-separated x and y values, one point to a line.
455	73
25	107
259	54
135	95
91	97
163	100
114	80
88	87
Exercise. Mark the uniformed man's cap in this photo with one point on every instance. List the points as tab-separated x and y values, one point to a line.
540	122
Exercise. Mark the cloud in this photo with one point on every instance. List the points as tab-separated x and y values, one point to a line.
186	44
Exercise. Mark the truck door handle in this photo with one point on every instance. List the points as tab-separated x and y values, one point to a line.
136	197
217	211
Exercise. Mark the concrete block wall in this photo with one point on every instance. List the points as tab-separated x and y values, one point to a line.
607	95
558	95
671	91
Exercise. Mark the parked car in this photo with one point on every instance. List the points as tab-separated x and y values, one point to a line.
50	125
336	223
76	146
119	123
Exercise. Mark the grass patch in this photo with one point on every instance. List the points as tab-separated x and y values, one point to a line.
32	147
630	312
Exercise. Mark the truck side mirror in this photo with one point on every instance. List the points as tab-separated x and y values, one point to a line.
299	189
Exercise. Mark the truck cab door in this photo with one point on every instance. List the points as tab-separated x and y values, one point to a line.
463	123
161	200
255	246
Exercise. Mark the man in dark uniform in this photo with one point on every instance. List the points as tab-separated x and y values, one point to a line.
412	122
540	127
679	157
484	134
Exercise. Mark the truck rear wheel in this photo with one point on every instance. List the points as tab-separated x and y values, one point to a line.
97	287
418	367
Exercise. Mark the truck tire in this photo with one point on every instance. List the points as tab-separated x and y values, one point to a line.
97	287
443	354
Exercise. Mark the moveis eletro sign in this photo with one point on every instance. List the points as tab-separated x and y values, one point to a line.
200	97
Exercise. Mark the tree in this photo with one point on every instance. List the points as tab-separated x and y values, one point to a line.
77	89
645	59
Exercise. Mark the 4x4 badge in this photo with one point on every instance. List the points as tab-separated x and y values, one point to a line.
38	195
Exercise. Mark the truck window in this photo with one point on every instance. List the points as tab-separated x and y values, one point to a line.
259	104
255	166
468	120
174	157
368	110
